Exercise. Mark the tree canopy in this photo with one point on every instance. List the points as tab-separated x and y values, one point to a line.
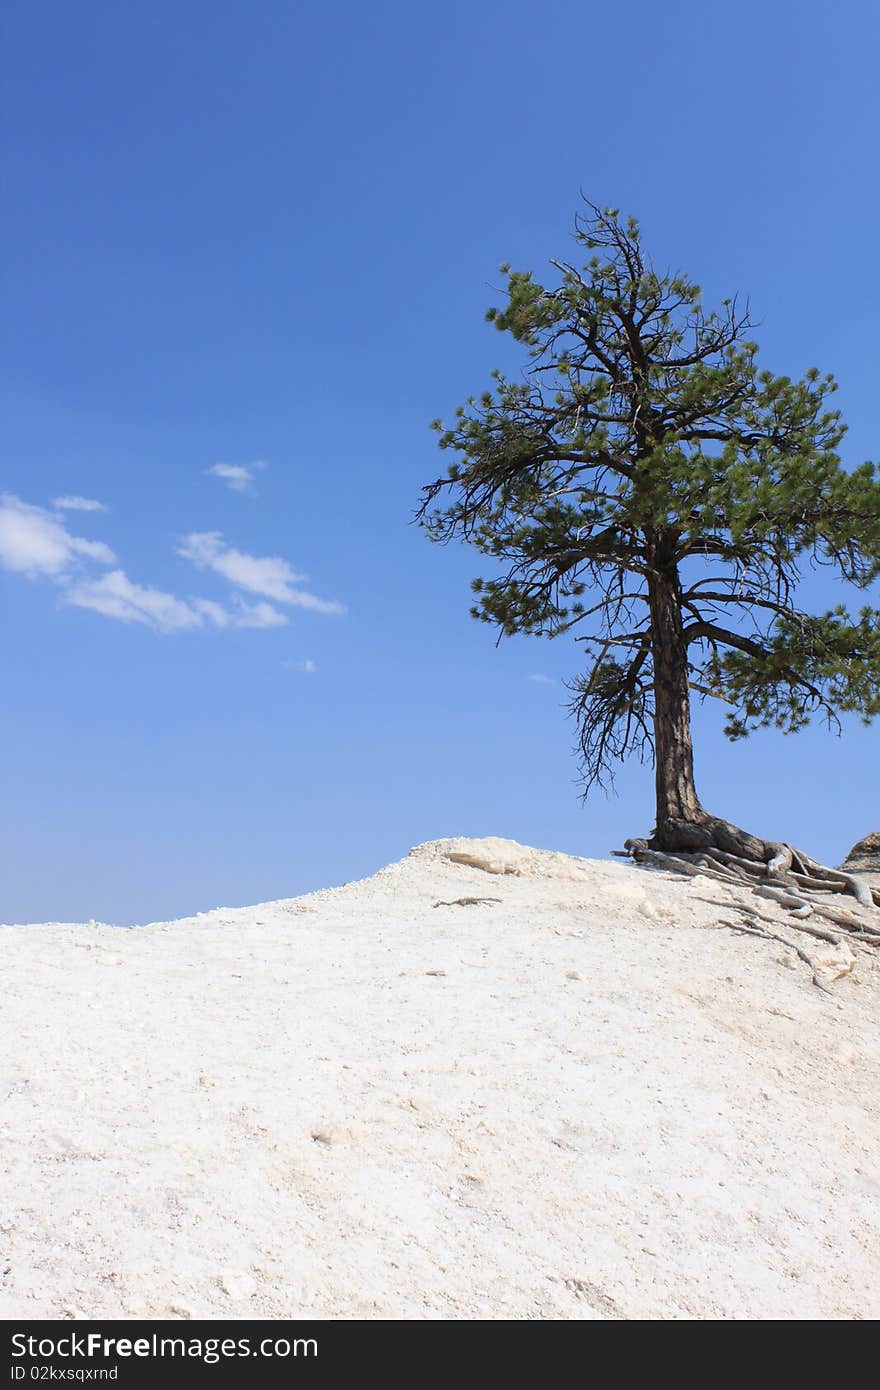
650	489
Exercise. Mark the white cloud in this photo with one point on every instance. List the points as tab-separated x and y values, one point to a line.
34	542
214	612
115	596
235	475
241	614
257	615
270	575
77	504
307	667
542	680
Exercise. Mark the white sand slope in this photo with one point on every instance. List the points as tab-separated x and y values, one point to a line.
586	1100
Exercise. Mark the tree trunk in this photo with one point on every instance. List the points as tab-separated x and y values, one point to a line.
677	798
686	838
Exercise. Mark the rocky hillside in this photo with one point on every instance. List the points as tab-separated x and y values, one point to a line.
487	1082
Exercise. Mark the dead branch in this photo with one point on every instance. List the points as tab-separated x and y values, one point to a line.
466	902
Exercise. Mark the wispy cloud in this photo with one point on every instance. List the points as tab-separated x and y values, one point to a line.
541	680
307	667
269	575
241	613
238	477
35	542
78	504
115	596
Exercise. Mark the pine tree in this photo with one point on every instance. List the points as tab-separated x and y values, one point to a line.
647	488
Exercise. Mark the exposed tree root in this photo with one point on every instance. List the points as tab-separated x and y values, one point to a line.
750	927
787	876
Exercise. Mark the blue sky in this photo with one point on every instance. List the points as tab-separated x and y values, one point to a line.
261	237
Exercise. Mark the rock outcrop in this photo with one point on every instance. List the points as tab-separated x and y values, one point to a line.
864	857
